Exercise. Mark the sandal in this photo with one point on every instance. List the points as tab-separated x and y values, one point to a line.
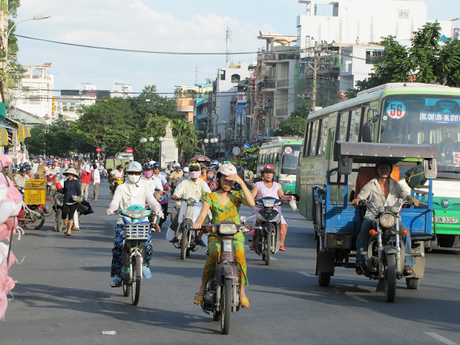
116	282
408	271
244	303
146	272
198	300
67	233
282	248
252	247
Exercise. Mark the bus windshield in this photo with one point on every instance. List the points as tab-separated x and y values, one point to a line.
290	157
434	119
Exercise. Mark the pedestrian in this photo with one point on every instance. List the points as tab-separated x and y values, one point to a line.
85	181
72	191
96	179
8	172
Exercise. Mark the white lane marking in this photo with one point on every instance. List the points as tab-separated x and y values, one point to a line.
441	338
307	274
360	299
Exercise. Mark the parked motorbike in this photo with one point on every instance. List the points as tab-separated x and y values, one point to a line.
31	219
136	232
46	209
385	256
186	235
267	239
222	292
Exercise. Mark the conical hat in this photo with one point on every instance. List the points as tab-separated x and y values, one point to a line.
71	171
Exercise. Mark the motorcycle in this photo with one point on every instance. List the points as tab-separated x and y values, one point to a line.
267	239
222	296
136	233
116	182
385	258
173	182
186	235
163	201
45	209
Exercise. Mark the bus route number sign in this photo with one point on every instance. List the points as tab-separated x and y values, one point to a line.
288	150
396	110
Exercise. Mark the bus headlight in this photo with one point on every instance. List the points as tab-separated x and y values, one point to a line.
387	220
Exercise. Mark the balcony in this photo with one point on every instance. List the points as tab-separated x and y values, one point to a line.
282	83
281	112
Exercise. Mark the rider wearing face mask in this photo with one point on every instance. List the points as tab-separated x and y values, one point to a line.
211	180
190	188
152	183
133	191
185	176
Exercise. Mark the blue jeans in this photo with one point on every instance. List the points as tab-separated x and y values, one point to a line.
363	240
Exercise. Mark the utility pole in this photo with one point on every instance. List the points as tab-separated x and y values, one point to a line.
315	64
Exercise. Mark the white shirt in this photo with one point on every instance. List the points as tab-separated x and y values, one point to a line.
190	189
161	178
153	184
116	173
95	176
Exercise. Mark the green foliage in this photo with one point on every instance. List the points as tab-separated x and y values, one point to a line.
426	61
248	158
120	123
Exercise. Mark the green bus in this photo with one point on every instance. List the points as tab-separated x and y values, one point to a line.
400	113
283	154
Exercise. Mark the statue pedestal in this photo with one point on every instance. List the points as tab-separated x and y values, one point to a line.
168	151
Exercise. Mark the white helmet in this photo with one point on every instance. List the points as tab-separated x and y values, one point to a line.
185	169
227	169
134	170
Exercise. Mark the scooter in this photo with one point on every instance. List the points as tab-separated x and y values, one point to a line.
31	219
267	238
186	235
222	292
136	233
163	201
116	182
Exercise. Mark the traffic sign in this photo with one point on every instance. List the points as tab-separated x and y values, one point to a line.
246	146
129	150
236	150
98	149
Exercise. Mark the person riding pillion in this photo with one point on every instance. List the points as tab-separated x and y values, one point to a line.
133	191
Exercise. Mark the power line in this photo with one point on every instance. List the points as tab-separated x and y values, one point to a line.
131	50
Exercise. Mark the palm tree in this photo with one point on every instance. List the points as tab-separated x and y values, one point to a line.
185	135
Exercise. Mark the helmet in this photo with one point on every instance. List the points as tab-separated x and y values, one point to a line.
148	166
194	167
119	166
22	170
156	165
185	169
227	169
49	163
215	162
268	168
211	169
176	165
134	167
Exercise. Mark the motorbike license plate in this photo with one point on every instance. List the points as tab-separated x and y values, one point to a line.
227	246
447	220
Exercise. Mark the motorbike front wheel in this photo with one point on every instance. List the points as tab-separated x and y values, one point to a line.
136	283
390	279
184	243
48	208
268	248
226	306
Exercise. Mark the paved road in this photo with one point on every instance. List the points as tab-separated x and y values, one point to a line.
63	296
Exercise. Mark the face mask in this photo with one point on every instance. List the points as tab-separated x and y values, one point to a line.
133	178
210	176
194	174
148	173
185	174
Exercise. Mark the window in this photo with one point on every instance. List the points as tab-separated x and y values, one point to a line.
305	141
343	127
314	138
355	120
374	57
235	78
222	75
323	138
403	14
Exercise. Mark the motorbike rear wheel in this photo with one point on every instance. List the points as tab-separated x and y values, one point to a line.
226	306
390	279
34	222
136	283
48	208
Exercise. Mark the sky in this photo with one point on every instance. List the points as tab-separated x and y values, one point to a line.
153	25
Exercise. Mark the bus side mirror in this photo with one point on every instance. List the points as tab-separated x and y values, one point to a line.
368	131
430	168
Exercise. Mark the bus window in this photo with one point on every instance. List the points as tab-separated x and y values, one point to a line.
323	138
343	127
305	142
355	120
314	138
290	157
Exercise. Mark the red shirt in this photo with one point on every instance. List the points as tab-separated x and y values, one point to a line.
85	177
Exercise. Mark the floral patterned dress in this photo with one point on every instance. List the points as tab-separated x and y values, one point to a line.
229	212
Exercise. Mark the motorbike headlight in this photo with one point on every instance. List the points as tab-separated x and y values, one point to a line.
269	202
138	214
228	229
387	220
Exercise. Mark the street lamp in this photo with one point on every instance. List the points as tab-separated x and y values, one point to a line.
206	141
151	139
37	17
143	141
